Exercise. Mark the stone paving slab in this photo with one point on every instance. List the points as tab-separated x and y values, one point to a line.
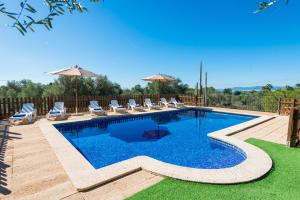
123	188
34	166
274	131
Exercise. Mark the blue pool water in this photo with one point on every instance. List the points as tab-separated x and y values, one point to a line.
176	137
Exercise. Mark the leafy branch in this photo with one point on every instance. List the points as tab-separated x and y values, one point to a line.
26	19
266	5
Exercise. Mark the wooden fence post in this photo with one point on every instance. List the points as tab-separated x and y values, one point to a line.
1	113
293	102
142	99
21	103
4	108
290	128
13	100
296	126
279	106
293	128
18	105
8	106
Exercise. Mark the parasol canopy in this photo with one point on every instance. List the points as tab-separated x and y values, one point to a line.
75	71
163	78
160	78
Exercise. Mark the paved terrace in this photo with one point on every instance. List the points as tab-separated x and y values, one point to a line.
30	169
274	130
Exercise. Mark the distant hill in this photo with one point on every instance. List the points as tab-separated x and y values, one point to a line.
246	89
251	88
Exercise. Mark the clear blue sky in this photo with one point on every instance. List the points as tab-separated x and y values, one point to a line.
130	39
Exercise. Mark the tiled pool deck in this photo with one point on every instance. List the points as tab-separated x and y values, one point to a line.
31	170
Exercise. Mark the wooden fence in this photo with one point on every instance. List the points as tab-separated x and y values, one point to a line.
9	106
293	136
286	104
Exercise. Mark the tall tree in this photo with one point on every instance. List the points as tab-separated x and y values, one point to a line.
137	90
167	88
24	88
103	86
227	91
267	88
289	88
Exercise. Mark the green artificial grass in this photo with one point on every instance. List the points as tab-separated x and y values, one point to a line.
282	182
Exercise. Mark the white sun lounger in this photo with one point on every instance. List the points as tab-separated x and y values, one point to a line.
58	111
164	102
27	114
176	103
134	106
114	105
94	108
150	105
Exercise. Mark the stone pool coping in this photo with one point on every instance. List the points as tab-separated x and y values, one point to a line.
84	176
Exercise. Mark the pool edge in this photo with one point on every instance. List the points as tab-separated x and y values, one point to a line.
84	176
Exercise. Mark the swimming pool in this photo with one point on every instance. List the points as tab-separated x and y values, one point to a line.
175	137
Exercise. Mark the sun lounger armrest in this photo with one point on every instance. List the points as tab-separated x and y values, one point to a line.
111	107
34	113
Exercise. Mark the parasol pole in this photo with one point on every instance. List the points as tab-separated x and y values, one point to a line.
205	91
158	90
76	96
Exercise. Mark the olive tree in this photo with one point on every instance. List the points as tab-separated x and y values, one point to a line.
264	5
28	16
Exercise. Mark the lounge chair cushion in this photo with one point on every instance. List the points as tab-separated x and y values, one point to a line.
21	115
54	112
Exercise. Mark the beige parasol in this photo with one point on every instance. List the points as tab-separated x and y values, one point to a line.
77	72
163	78
160	78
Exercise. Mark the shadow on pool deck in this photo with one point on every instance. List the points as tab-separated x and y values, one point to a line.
4	137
